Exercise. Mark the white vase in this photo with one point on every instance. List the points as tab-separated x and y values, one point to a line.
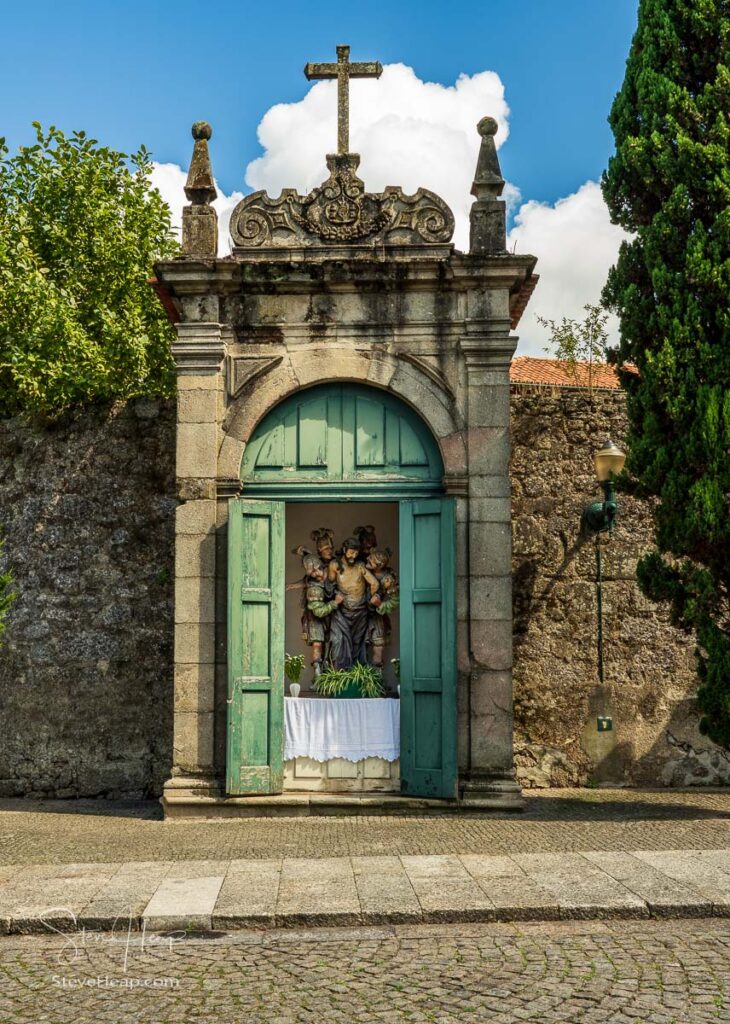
294	689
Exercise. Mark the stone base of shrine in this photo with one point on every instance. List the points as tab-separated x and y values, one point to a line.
186	798
338	775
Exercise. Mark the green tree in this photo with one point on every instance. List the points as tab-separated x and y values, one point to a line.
669	184
575	341
80	229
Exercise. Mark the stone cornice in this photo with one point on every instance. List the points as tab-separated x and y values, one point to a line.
199	348
396	269
485	349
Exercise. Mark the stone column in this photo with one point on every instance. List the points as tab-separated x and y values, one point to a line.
198	353
489	779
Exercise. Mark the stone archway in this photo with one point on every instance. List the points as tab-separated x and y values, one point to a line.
384	372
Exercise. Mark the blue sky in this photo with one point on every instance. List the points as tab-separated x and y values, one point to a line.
133	72
136	72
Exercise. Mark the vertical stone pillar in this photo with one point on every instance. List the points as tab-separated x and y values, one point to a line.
198	353
489	779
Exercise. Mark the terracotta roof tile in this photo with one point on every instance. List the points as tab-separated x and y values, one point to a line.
556	373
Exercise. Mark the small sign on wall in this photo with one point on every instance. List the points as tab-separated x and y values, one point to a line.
604	723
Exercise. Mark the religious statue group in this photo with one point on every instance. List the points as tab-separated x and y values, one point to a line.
348	598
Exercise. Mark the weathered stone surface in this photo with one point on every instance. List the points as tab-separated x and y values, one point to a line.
87	509
181	903
384	890
446	891
318	892
581	888
193	740
649	665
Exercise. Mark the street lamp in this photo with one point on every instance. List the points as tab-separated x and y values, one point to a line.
598	518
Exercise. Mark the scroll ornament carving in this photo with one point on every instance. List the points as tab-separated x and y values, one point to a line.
340	211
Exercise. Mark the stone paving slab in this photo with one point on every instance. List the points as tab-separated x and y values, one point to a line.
248	895
385	891
344	891
319	892
580	887
50	896
701	875
183	903
446	890
663	894
515	895
120	902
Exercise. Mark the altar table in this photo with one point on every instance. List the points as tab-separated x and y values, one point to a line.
324	728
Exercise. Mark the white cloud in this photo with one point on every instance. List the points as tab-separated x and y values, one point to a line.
408	132
575	244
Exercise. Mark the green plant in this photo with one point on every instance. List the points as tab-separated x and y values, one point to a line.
163	577
331	682
669	185
395	662
7	593
367	678
293	667
575	341
80	230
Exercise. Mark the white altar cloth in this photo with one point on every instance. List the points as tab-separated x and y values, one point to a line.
323	728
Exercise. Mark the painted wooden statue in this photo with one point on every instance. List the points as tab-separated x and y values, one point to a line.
348	599
379	627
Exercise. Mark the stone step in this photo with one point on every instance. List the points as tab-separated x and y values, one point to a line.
304	892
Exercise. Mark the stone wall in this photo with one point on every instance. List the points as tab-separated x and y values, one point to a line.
649	666
87	510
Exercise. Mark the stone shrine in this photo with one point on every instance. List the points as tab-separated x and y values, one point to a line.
344	365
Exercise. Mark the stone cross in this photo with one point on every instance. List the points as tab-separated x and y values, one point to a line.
343	71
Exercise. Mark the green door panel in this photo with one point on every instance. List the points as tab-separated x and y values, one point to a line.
255	647
428	647
336	434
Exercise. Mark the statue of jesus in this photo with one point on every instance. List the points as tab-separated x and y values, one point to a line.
349	623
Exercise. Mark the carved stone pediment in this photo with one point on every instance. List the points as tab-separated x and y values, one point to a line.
341	211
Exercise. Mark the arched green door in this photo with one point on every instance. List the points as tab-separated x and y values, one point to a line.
342	442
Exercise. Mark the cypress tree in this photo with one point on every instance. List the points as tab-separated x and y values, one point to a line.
669	184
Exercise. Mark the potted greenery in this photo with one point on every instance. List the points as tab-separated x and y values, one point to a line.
358	681
293	668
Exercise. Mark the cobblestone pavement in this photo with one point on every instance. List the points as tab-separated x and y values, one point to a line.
587	972
557	820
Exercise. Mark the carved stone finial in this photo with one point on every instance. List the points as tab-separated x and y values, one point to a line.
201	130
488	213
199	187
488	180
200	221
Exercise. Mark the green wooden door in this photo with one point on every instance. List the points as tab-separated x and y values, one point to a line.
428	648
255	647
341	441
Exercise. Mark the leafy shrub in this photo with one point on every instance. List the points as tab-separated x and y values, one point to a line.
80	230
